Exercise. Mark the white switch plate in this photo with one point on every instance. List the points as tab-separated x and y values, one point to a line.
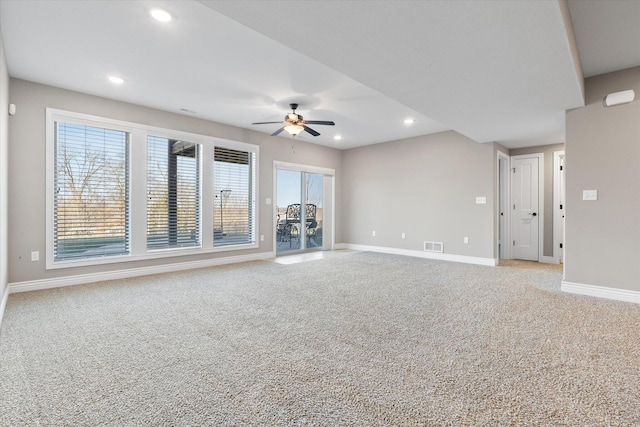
373	233
589	194
262	237
268	201
481	200
404	235
35	256
466	239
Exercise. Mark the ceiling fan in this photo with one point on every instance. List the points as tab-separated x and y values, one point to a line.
295	123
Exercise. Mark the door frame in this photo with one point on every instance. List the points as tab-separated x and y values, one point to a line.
540	157
558	198
328	196
504	184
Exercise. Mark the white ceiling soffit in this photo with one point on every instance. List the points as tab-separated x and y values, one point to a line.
491	70
607	33
201	61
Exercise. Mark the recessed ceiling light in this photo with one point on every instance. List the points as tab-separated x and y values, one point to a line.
161	15
116	80
408	121
337	137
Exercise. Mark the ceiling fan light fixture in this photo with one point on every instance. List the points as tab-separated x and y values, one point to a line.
294	124
294	129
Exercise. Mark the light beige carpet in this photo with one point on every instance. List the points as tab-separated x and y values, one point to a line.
358	340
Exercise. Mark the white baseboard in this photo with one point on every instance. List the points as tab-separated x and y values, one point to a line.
549	260
492	262
3	303
601	292
34	285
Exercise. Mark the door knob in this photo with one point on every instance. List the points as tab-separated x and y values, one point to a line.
533	214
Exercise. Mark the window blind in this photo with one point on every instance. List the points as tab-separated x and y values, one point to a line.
173	193
91	192
234	197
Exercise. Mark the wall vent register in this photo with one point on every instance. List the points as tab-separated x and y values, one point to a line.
433	246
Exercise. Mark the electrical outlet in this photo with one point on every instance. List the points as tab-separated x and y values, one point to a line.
268	201
35	256
373	233
262	237
466	239
404	236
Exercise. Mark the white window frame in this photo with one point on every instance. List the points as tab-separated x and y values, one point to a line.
198	201
253	191
138	189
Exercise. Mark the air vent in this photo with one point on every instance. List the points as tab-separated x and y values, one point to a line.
433	246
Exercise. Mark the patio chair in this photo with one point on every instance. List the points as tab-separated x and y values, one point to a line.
291	226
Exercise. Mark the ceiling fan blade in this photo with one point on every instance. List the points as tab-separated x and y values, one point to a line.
320	122
309	130
265	123
278	131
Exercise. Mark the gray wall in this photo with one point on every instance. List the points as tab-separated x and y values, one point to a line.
547	151
425	187
603	153
27	171
4	144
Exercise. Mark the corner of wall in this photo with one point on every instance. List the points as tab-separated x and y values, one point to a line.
4	151
572	44
602	149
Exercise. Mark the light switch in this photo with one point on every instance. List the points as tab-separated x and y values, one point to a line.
589	194
481	200
268	201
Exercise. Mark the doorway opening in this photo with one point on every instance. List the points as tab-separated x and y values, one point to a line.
503	221
303	209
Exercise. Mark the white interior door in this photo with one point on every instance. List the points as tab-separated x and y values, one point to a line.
525	214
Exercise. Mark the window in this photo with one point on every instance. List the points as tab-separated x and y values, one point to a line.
120	191
173	193
91	192
234	197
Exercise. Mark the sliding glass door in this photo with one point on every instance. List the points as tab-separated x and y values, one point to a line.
299	210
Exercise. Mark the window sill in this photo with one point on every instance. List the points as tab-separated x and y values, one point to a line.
150	255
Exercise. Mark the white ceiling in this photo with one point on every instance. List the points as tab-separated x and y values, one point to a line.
491	70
